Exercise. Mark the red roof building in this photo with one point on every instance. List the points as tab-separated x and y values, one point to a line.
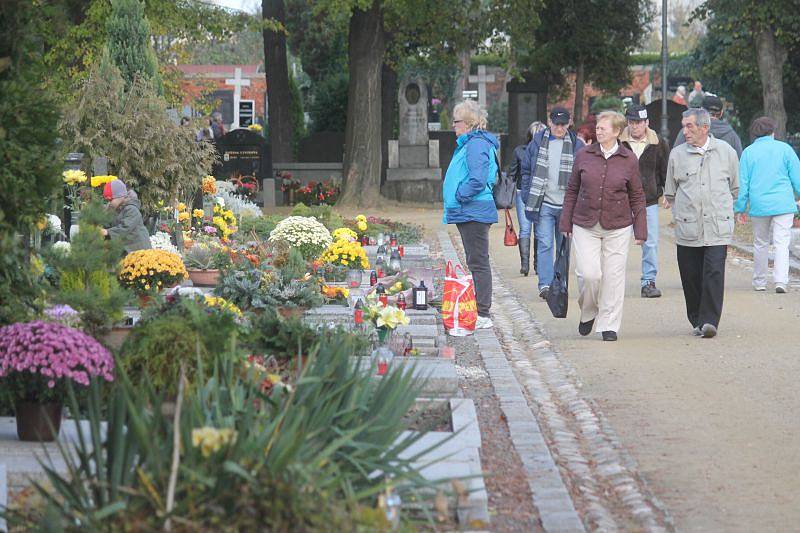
207	83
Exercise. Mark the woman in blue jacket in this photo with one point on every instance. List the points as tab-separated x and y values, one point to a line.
769	179
468	200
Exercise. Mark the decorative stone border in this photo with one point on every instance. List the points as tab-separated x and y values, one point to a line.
549	493
458	457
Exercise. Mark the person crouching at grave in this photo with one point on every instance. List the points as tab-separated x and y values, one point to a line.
604	204
468	200
128	225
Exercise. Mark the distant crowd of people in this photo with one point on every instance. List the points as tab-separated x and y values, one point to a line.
214	128
603	184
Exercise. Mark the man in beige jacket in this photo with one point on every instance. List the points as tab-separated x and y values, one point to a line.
702	184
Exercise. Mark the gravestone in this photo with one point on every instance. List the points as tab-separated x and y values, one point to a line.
414	174
245	153
527	102
674	114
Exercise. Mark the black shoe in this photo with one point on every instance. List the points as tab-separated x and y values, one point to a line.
708	331
584	328
650	290
524	255
609	335
544	292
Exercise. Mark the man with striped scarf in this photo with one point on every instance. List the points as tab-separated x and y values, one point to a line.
546	169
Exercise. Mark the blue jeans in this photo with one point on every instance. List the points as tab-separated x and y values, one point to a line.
522	220
650	247
548	238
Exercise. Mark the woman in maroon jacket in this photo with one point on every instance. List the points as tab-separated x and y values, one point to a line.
603	202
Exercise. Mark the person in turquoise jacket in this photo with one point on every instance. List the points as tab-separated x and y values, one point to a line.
468	199
769	181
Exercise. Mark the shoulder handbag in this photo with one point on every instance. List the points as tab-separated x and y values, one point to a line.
510	238
558	298
504	188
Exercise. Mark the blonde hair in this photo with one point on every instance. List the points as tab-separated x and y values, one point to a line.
471	113
618	121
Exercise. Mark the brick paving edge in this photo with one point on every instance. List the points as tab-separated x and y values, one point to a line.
549	493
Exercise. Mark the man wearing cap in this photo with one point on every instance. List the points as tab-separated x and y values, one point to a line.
128	225
719	128
653	154
546	169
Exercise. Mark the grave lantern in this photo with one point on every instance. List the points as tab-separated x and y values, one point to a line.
395	263
380	265
381	239
401	301
421	296
382	252
382	356
373	278
383	298
393	240
358	314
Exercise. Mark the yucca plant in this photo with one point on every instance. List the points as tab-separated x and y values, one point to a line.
313	455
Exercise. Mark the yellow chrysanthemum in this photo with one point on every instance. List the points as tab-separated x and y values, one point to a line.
97	181
198	213
73	177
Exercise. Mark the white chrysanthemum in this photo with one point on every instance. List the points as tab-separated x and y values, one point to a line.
53	223
306	233
62	247
162	241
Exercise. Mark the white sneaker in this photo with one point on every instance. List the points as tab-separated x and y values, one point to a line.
759	288
484	322
780	288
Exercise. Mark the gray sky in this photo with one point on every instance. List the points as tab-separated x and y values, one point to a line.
246	5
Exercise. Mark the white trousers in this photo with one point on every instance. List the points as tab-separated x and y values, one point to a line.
600	259
781	238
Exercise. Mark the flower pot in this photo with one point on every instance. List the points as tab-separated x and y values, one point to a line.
204	278
291	312
38	422
384	335
354	278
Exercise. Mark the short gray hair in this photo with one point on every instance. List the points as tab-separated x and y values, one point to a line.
701	115
471	113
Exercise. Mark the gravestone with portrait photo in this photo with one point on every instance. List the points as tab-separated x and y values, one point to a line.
414	174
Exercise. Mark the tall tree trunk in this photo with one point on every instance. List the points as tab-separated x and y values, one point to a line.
580	80
362	153
388	100
281	129
771	58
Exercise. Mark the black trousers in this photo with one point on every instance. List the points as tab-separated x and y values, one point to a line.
475	238
703	277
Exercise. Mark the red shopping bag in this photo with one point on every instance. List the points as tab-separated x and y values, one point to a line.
459	308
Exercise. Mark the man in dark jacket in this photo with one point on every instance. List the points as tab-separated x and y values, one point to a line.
546	169
653	154
719	128
128	225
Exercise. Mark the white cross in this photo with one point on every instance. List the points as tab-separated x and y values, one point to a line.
481	79
238	82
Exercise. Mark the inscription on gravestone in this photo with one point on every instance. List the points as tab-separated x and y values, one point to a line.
243	153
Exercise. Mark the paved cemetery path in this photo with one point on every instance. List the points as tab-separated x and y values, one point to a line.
714	425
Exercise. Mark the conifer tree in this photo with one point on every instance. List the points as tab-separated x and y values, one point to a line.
129	42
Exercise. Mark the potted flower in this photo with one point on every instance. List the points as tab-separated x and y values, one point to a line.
305	234
74	180
293	290
346	258
385	319
147	271
37	359
203	262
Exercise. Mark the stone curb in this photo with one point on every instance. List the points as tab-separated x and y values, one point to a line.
549	493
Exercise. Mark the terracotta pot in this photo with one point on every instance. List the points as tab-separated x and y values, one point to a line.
32	421
204	278
116	337
291	312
